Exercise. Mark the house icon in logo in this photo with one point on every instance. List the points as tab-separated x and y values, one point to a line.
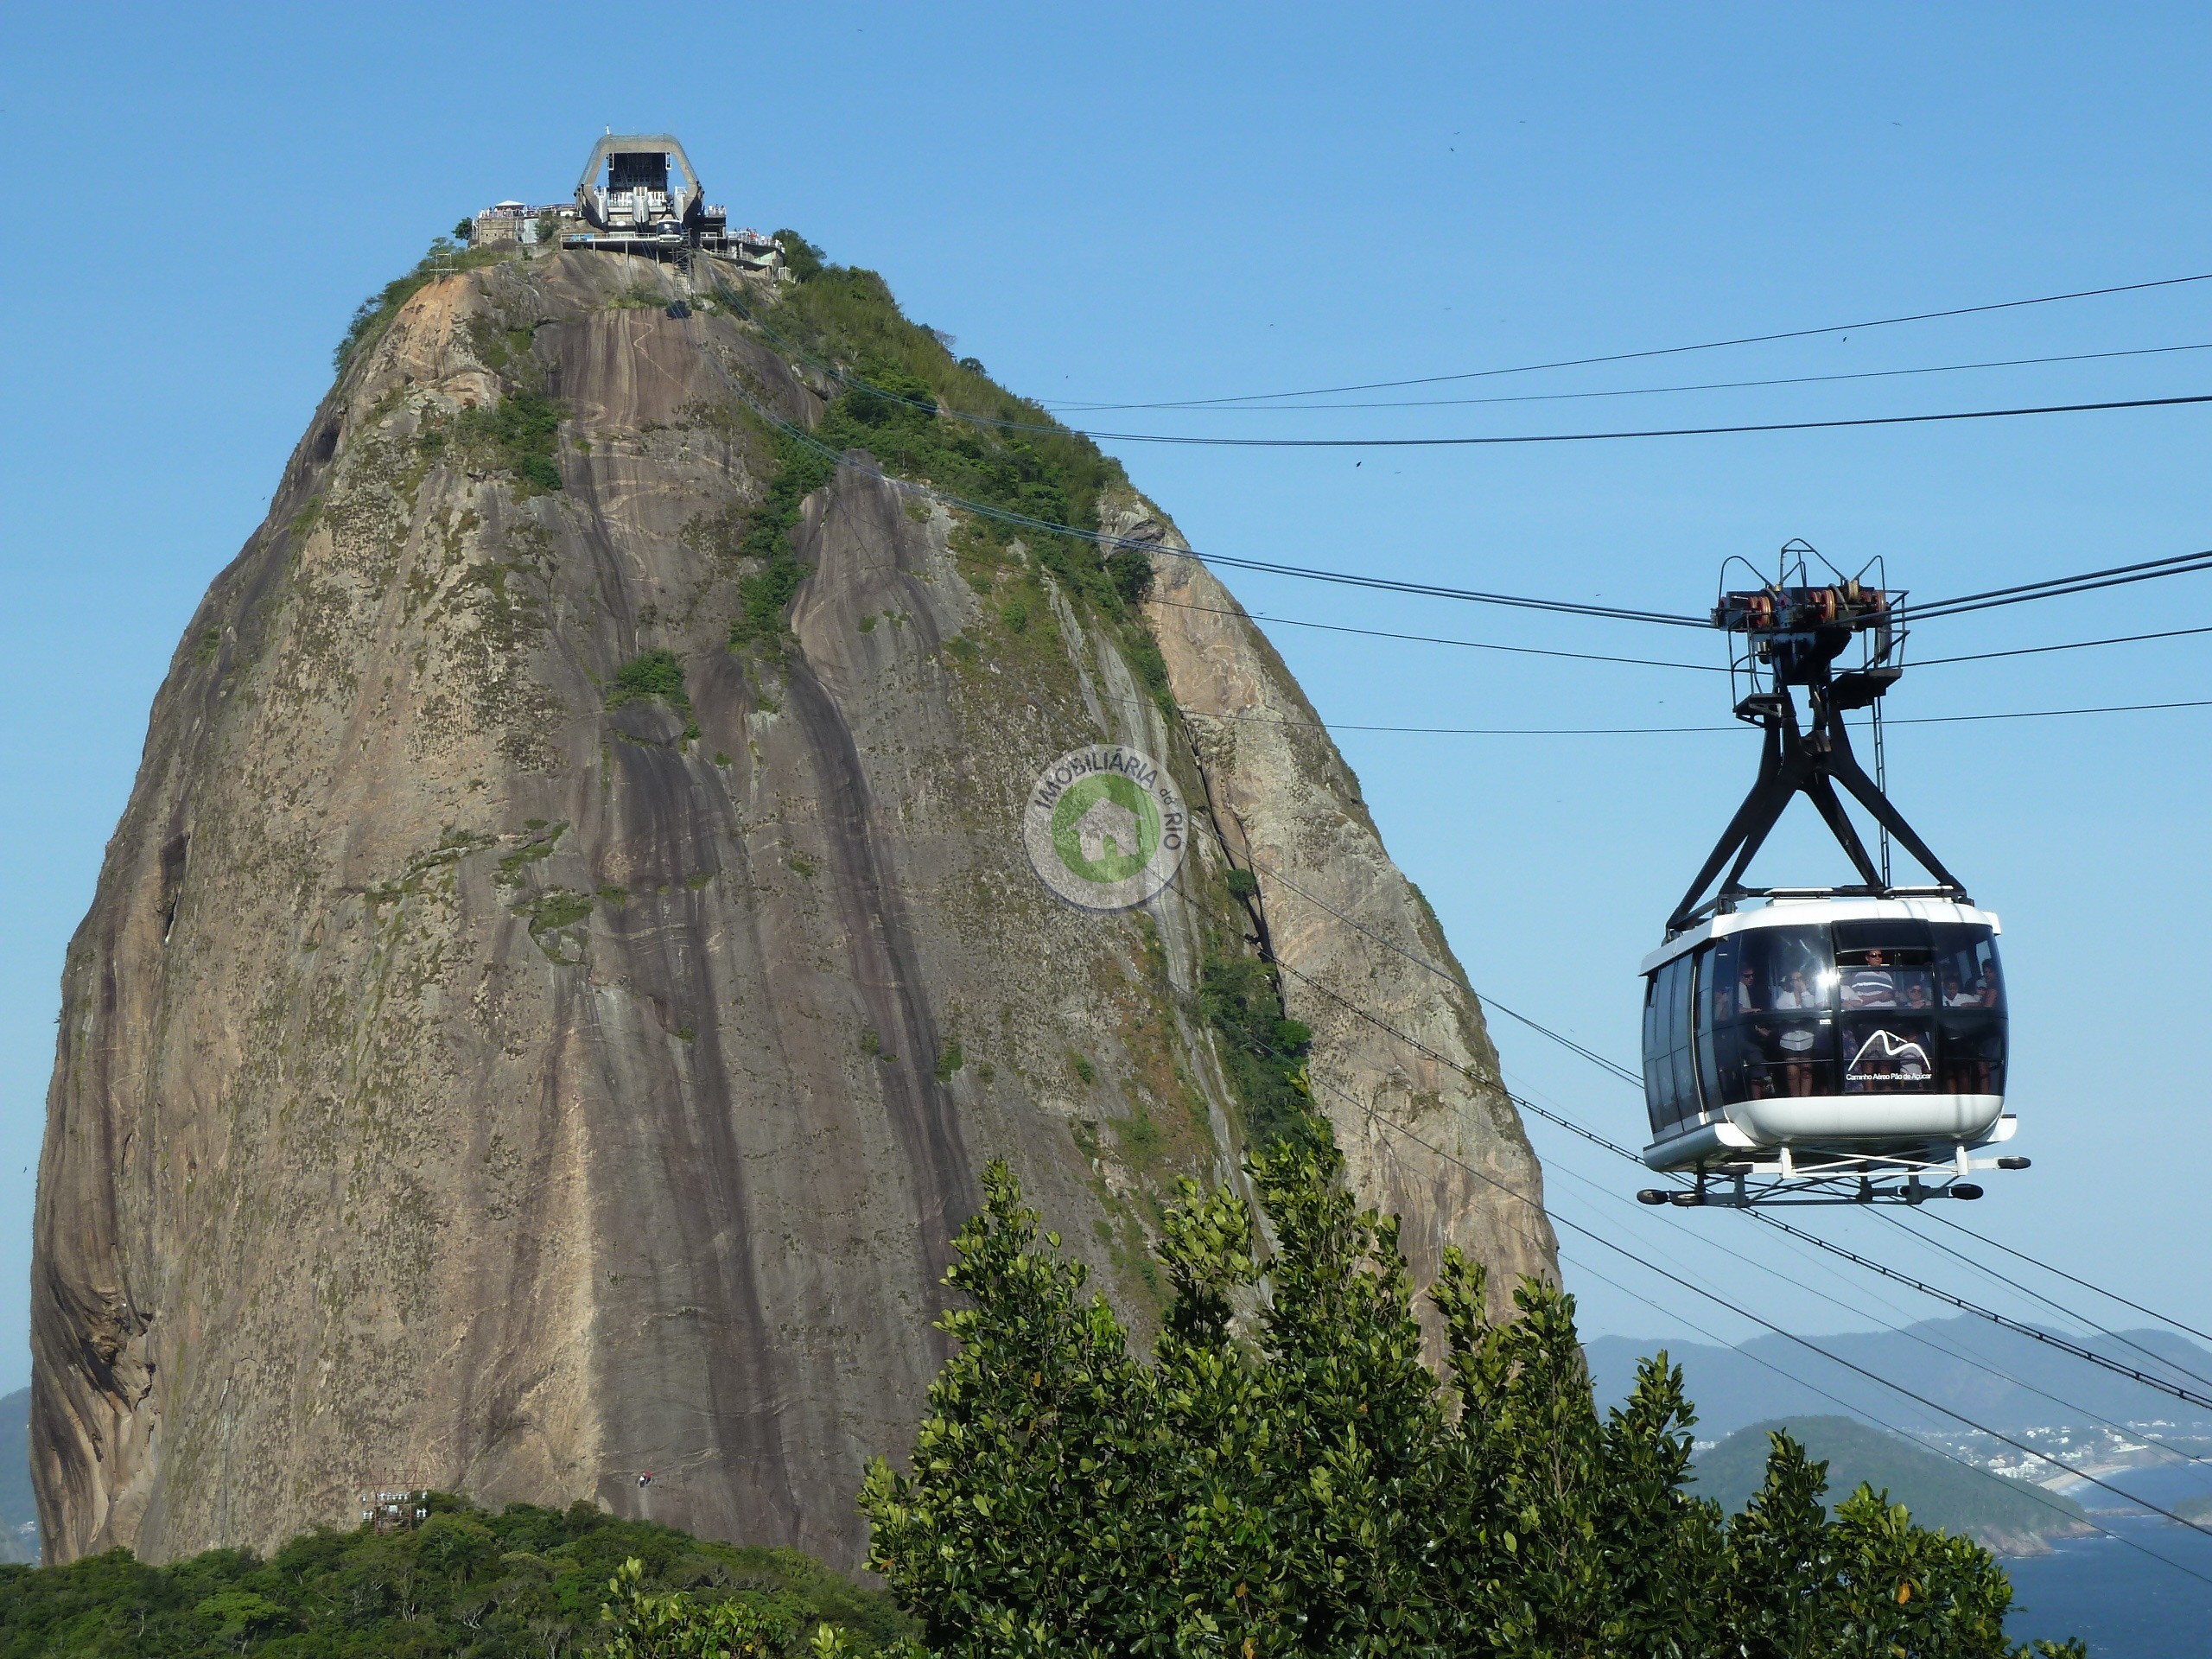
1108	821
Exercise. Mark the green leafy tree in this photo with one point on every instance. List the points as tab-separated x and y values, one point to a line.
525	1583
1287	1476
672	1625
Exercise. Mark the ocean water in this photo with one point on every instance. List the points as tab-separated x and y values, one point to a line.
2121	1602
2111	1592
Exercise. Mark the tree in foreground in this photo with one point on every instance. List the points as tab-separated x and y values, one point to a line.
1291	1478
525	1583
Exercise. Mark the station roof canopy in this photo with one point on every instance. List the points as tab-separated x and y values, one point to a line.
631	143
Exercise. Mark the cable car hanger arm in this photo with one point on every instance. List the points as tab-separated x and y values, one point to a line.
1811	763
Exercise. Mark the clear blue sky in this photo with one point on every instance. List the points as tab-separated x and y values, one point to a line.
1135	202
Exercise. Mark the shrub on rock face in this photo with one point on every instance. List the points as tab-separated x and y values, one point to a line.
1295	1480
655	673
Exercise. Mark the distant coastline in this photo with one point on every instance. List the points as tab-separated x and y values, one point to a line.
18	1512
2008	1517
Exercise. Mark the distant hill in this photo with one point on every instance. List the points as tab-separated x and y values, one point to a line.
2008	1517
1733	1387
18	1514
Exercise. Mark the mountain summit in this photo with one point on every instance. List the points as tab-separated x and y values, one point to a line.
571	945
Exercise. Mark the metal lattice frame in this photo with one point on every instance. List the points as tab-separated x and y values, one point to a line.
1791	636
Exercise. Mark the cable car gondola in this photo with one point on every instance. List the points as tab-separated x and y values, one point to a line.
1821	1044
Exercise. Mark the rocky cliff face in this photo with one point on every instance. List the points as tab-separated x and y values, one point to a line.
485	1068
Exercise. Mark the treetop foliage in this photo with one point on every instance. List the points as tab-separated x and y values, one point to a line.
1286	1475
527	1581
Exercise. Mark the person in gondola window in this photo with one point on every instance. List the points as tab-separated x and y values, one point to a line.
1872	986
1747	990
1797	1059
1794	992
1955	995
1797	1039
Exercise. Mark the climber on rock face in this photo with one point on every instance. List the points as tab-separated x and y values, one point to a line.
644	1480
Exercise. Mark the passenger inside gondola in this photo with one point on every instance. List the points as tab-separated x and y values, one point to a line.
1871	984
1796	1068
1747	992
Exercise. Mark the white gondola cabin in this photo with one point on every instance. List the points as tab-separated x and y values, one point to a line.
1817	1030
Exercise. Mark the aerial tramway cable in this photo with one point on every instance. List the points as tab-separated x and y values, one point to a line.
1975	1361
1273	620
1464	441
1487	439
1675	351
2174	565
1437	640
934	407
2056	1306
2028	1488
2099	1289
2118	576
2018	1327
1811	1346
1001	515
2070	644
1680	731
1712	1296
1612	391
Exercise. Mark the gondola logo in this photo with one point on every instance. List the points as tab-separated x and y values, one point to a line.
1105	827
1887	1058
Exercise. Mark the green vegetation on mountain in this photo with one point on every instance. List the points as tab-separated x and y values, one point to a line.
516	435
928	416
1011	455
1289	1478
1263	1052
650	674
796	472
1940	1491
527	1581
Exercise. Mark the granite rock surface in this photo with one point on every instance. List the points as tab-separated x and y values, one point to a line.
471	1077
